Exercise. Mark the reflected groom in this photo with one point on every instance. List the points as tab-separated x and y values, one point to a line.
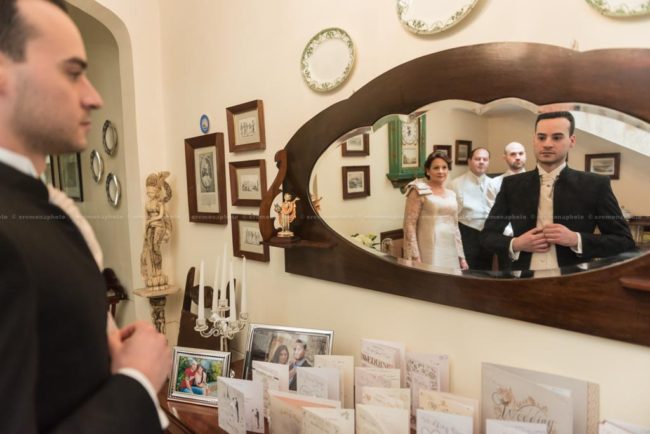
554	210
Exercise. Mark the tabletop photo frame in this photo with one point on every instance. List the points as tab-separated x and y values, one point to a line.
247	238
206	179
246	130
247	182
267	343
194	375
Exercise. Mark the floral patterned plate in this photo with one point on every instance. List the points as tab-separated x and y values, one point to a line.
426	17
327	60
621	8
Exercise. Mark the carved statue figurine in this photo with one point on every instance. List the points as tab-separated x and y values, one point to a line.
157	229
286	214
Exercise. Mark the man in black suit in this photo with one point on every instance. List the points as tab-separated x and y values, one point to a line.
61	370
554	210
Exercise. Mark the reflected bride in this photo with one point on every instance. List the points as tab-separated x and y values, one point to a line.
431	233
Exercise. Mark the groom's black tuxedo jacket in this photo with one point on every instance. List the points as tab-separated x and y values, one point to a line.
581	201
55	365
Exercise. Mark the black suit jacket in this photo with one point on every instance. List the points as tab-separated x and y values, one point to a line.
55	360
581	201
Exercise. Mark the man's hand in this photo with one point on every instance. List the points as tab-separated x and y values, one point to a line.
463	264
140	346
532	241
561	235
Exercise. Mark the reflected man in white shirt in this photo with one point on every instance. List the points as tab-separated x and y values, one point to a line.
514	154
475	194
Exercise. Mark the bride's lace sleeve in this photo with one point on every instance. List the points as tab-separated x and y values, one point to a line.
411	216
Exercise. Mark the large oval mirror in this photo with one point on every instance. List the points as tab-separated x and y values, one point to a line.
374	221
611	299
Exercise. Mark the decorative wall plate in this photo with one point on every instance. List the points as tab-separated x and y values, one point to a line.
96	166
109	138
204	123
426	17
327	59
113	190
621	8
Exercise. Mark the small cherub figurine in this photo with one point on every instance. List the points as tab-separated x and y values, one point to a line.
286	214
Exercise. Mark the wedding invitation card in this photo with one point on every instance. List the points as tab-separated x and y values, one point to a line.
429	422
493	426
449	403
318	382
327	421
345	365
384	354
372	419
386	397
287	410
377	377
273	376
241	406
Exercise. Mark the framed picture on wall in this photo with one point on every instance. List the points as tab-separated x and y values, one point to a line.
356	181
247	239
463	148
446	149
69	166
604	164
206	179
246	126
247	182
194	375
276	344
357	146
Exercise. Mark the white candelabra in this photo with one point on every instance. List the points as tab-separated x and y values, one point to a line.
225	321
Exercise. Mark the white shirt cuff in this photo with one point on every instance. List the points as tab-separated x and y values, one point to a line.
513	255
144	381
578	249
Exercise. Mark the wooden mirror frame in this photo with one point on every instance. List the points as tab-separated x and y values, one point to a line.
611	302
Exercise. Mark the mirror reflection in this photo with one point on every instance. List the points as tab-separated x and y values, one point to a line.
606	142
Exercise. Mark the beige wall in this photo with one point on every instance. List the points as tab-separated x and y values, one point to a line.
200	56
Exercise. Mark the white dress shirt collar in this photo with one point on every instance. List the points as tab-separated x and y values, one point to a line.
18	162
553	173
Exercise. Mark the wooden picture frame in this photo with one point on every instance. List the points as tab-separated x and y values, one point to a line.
214	363
206	179
604	164
357	146
246	126
70	182
447	150
356	181
247	182
247	239
265	340
462	151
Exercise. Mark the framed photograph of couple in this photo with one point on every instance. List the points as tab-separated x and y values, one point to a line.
206	179
246	126
247	238
286	345
194	375
604	164
247	182
356	181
